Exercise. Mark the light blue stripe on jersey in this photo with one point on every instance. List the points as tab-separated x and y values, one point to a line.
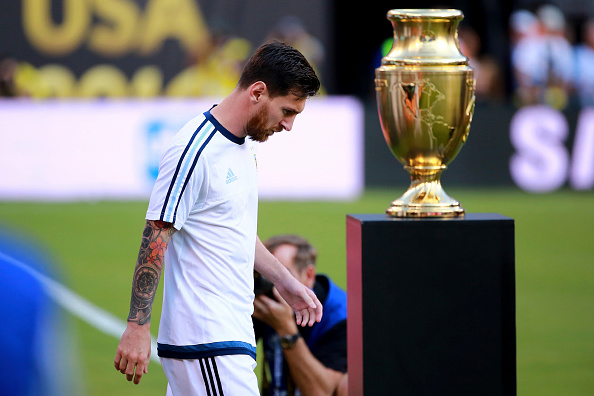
188	160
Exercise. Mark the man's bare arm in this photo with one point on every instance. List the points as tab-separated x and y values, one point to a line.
304	302
309	374
134	351
155	239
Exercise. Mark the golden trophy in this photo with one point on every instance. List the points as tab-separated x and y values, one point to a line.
425	97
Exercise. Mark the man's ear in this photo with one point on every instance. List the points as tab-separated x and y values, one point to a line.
310	274
257	91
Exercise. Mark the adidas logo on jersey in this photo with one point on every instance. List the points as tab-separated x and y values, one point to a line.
230	176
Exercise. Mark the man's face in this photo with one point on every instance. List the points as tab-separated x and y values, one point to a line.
274	115
286	255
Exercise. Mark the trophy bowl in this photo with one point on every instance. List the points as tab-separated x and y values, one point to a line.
425	98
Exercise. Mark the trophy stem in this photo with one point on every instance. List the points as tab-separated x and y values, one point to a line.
425	196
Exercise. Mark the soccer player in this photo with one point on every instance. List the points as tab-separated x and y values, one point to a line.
201	226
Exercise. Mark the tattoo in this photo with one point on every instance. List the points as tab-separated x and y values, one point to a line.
155	238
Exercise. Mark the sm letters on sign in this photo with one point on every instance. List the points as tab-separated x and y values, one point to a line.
542	161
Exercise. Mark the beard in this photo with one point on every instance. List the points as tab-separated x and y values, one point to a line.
256	127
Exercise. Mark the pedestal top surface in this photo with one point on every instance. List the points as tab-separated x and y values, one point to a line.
375	217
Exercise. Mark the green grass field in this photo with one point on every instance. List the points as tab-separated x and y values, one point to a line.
95	247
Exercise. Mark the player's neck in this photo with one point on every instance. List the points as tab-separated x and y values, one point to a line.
232	114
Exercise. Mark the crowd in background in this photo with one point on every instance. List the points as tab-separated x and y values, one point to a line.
551	59
549	63
207	72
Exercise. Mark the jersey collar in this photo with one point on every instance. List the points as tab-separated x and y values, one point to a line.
222	129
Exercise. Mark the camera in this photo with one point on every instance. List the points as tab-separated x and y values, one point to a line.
262	286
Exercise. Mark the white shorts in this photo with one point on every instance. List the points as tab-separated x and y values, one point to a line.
228	375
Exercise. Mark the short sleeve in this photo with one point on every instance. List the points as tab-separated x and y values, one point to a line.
179	185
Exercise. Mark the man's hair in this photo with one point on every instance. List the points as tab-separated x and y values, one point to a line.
283	69
306	253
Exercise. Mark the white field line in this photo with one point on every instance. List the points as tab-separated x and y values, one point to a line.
79	307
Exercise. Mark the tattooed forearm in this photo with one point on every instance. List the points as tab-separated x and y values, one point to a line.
155	238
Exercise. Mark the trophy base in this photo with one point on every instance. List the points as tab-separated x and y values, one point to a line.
425	199
412	210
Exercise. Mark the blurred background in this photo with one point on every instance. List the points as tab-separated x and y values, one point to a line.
91	90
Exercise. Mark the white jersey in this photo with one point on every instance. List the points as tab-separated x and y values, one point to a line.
207	187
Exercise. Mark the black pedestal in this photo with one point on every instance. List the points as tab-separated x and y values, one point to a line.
431	306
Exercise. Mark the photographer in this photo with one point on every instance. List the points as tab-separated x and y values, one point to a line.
301	361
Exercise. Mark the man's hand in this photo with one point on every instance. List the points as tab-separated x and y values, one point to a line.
275	313
302	299
134	351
